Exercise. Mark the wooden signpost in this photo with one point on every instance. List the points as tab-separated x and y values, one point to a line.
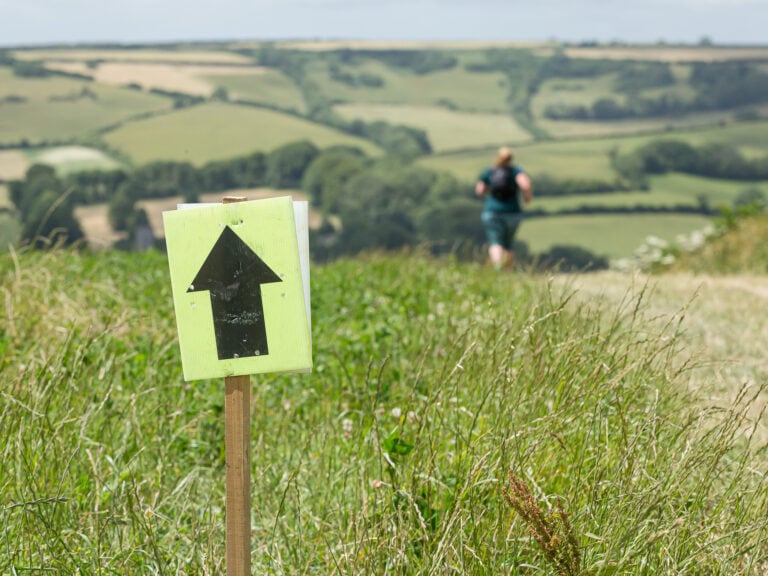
237	315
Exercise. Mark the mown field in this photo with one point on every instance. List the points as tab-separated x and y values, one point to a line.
451	424
466	110
59	109
219	131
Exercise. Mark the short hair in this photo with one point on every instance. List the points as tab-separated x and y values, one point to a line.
504	157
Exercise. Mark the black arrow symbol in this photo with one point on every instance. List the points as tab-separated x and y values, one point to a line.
233	274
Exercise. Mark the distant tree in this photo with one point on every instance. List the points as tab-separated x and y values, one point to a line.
51	222
327	174
221	93
286	165
122	205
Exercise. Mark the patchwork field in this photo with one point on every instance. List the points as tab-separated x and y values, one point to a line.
615	236
218	131
68	159
578	159
456	87
589	157
669	53
134	55
195	79
446	129
64	108
9	231
13	164
666	190
573	129
270	87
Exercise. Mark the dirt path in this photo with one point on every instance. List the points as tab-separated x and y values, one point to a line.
724	323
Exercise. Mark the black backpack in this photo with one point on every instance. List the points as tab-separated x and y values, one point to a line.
503	185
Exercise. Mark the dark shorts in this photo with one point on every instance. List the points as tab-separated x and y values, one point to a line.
500	227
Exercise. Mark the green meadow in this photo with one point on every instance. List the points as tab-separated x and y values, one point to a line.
470	91
58	109
454	423
446	129
665	191
218	131
612	235
271	87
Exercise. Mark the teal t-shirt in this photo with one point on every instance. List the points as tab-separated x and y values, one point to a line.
494	204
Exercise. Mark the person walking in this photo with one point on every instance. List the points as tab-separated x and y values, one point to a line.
501	185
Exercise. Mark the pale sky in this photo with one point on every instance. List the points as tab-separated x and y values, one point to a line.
33	22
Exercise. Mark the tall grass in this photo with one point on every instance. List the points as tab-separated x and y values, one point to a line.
433	381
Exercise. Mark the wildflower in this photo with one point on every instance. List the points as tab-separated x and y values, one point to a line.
396	413
346	427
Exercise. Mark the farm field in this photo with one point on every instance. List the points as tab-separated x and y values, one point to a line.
612	235
64	108
659	127
669	53
270	87
181	56
567	159
218	131
588	158
665	190
69	159
463	103
195	79
13	164
477	92
446	129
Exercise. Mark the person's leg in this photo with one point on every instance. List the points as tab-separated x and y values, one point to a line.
499	239
498	256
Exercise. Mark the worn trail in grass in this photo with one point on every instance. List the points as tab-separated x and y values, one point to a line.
722	322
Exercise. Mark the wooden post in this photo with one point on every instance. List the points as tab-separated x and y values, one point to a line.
237	415
237	446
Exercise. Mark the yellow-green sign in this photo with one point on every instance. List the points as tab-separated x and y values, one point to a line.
238	289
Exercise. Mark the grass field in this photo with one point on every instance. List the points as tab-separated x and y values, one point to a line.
13	164
567	159
218	131
449	416
612	235
467	91
669	53
9	231
270	87
665	190
446	129
585	92
56	109
574	92
195	79
134	55
68	159
589	158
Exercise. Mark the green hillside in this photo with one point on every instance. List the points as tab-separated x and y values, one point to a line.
583	121
41	109
219	131
448	416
